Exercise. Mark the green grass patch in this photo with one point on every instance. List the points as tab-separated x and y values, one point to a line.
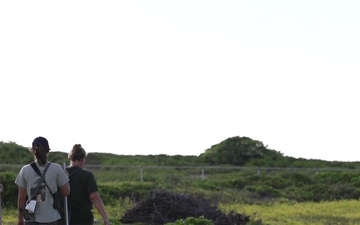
344	212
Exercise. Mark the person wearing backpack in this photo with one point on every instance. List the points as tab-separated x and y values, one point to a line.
84	191
35	200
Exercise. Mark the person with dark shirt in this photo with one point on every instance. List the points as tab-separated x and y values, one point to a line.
84	191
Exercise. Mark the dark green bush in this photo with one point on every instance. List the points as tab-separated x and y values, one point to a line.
276	182
335	177
9	196
206	185
315	192
263	191
339	191
112	193
192	221
298	179
236	182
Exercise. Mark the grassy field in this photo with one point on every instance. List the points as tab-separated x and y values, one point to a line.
324	213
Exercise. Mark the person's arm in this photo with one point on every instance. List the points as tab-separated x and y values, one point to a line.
65	189
99	205
21	203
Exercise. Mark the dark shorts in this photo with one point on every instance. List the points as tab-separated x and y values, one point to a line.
75	223
83	217
90	223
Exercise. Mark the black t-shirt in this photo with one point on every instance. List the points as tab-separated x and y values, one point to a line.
82	184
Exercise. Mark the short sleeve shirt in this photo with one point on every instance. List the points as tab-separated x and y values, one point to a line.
37	190
82	184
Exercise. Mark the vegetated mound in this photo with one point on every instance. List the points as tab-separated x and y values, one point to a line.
162	207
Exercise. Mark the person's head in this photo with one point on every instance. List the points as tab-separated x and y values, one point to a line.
77	154
40	149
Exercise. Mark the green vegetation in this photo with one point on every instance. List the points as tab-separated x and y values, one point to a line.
292	213
286	213
240	173
192	221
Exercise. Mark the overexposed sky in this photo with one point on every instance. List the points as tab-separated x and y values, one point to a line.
176	77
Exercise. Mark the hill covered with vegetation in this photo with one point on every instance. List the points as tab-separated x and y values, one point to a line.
234	151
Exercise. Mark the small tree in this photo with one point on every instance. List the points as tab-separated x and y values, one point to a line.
234	151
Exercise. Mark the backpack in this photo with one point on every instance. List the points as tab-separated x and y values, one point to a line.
59	200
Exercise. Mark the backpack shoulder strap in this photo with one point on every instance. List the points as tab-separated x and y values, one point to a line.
37	171
46	168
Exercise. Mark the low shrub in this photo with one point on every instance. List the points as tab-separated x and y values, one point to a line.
111	193
192	221
9	196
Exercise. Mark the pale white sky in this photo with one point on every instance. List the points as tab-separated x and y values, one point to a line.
176	77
